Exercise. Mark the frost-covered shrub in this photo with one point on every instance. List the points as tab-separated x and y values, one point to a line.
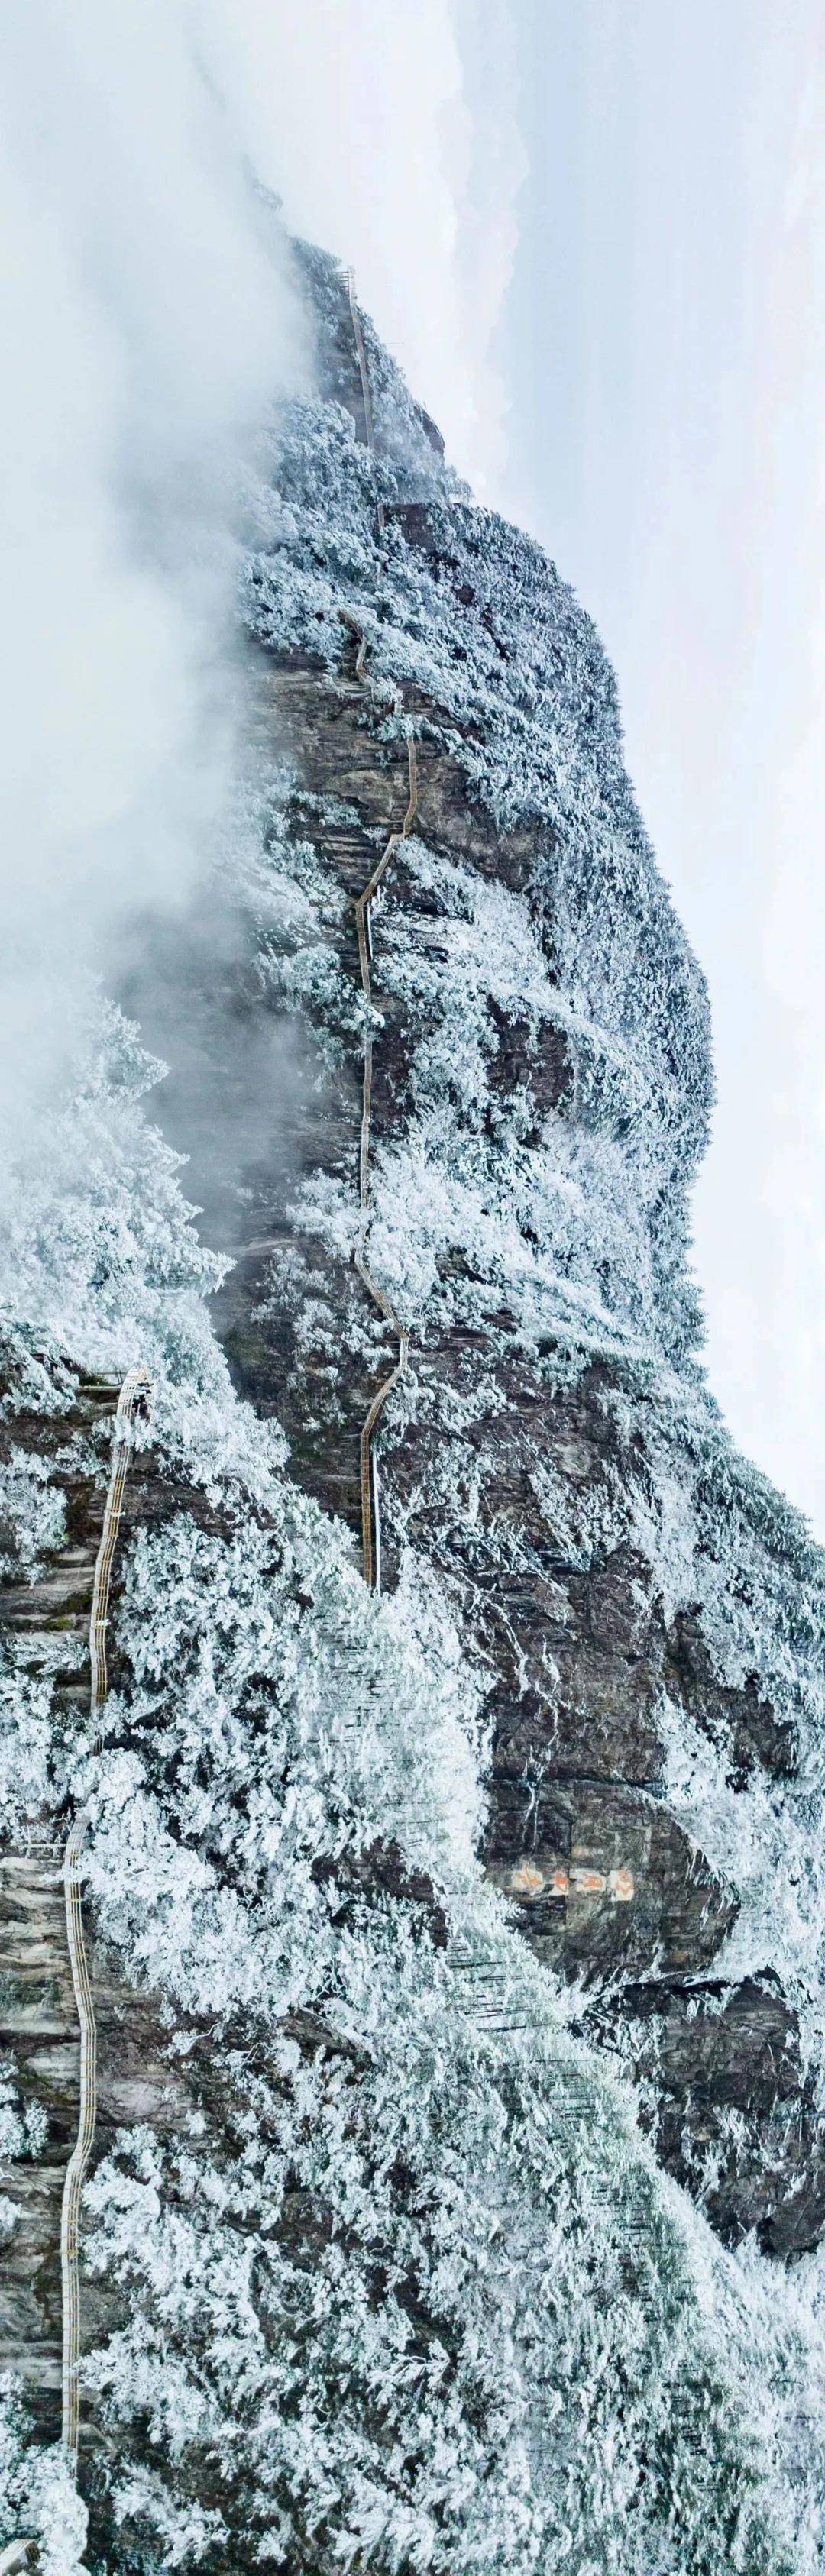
34	1514
39	2499
28	1751
97	1248
275	1756
22	2125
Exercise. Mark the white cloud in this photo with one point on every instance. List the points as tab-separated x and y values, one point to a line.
392	134
144	330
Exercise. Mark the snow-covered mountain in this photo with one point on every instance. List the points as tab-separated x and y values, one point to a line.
457	1936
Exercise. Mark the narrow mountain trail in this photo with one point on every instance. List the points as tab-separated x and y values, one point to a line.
132	1401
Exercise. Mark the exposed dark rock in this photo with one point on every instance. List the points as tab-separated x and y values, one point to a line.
736	2119
738	1719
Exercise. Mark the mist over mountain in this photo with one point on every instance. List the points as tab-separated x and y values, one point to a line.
453	1880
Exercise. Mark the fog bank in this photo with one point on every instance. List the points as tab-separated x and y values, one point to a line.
147	328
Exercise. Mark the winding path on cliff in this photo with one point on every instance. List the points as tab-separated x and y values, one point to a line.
132	1402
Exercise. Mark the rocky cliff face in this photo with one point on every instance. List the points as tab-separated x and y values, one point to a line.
520	1458
597	1658
541	1082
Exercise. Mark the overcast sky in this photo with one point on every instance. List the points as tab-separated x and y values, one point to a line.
663	347
594	230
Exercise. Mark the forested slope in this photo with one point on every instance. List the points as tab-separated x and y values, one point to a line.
457	1944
